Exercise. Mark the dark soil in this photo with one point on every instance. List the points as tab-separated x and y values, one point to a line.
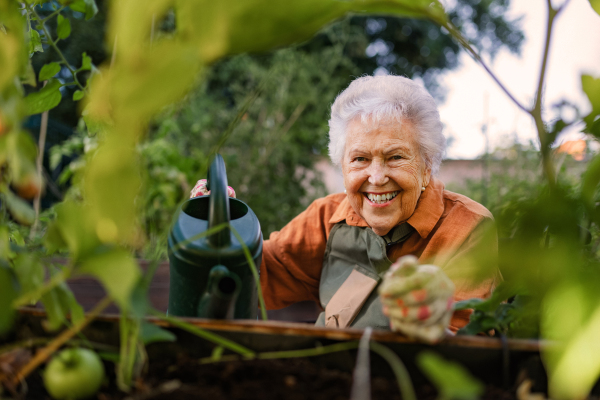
292	379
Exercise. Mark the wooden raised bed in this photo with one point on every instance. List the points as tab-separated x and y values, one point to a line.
500	363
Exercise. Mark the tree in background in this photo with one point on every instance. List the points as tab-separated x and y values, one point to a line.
278	105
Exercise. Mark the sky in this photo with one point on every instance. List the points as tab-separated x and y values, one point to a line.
473	98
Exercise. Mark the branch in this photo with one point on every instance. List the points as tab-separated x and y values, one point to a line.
538	99
39	166
55	47
45	353
537	109
49	17
465	43
38	292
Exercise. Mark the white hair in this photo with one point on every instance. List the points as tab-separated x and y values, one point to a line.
379	98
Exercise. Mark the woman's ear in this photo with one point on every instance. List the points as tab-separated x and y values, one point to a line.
426	177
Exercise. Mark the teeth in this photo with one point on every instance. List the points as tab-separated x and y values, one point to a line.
381	198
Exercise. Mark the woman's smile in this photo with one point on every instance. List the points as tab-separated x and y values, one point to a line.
381	199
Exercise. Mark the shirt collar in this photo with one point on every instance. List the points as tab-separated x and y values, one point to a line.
430	208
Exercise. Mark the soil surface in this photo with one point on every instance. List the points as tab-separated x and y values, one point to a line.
292	379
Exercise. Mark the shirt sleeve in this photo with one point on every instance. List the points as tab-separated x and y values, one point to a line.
474	269
293	257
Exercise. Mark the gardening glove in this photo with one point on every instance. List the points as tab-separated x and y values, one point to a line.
200	190
418	299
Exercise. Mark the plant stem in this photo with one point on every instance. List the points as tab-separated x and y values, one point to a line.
129	332
39	166
316	351
212	337
207	232
536	113
43	354
465	43
38	292
252	266
49	17
55	47
312	352
400	371
402	376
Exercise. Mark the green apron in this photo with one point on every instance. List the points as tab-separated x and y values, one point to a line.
354	264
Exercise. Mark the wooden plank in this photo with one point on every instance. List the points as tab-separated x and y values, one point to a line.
280	328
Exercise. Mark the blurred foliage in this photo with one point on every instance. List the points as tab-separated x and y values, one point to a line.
276	141
265	114
549	257
513	174
452	380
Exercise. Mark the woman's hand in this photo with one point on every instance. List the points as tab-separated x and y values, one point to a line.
417	299
200	190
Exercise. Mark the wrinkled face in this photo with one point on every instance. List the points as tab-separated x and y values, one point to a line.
383	172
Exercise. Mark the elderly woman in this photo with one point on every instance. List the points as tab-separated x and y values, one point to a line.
386	135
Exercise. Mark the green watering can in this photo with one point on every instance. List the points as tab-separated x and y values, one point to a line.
209	274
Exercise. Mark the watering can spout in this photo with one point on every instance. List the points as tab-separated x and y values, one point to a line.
221	293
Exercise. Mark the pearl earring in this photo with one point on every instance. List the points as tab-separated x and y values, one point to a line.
344	190
422	188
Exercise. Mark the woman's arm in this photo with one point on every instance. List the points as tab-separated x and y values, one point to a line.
293	257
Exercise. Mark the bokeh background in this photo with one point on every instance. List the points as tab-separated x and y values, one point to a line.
268	112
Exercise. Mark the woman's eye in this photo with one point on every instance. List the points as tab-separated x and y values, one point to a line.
396	157
360	159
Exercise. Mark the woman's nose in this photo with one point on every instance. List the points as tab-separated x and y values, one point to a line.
378	174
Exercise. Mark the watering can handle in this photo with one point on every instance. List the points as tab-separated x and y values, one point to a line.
218	204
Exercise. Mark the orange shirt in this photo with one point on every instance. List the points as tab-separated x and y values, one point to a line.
451	231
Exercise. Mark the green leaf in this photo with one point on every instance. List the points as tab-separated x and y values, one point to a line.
88	7
5	248
53	240
69	303
47	98
19	209
63	29
35	42
86	62
78	95
75	229
48	71
595	5
17	238
118	272
28	76
8	293
572	362
591	87
59	303
591	179
229	27
151	333
29	271
54	311
452	380
467	304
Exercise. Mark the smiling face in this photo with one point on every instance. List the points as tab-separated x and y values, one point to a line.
383	172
